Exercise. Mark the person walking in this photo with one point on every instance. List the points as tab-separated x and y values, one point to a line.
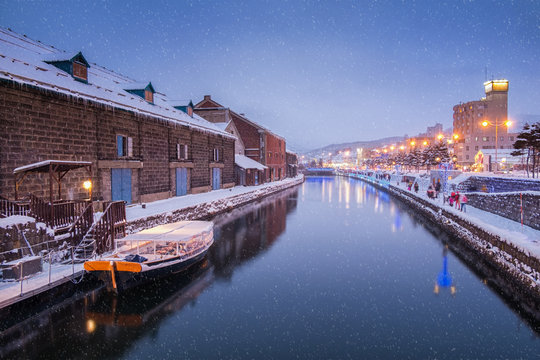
456	200
415	187
464	201
437	188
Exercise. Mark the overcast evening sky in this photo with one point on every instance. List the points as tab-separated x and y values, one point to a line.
315	72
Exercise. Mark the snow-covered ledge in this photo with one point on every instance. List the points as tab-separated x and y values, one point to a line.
199	206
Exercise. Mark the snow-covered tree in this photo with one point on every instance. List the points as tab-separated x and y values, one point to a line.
528	142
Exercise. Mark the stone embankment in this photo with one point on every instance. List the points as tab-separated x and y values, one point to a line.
209	209
515	272
517	206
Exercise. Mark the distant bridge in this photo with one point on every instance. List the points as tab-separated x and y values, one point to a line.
319	172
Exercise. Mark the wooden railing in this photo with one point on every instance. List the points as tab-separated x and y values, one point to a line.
63	213
111	225
10	208
83	223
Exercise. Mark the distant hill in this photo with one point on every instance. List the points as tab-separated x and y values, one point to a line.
334	148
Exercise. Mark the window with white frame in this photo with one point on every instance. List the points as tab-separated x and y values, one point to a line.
182	151
124	146
216	156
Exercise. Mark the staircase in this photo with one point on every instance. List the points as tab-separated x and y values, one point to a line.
86	249
99	237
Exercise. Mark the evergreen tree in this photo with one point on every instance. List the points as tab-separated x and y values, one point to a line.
528	142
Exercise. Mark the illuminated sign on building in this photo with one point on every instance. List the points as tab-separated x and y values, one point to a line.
496	85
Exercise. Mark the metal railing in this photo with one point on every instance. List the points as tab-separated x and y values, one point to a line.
59	259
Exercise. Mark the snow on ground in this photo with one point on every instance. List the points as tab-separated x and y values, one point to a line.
10	221
523	237
168	205
10	290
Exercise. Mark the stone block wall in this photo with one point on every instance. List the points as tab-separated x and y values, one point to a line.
37	125
508	205
498	184
12	244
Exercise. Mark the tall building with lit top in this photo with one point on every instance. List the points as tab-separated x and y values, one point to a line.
482	124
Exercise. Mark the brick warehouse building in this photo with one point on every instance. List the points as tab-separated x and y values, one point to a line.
259	143
55	105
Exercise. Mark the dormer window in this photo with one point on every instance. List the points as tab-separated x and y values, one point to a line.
80	71
149	96
76	65
183	105
144	90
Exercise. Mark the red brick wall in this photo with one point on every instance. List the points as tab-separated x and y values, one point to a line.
275	146
250	137
37	125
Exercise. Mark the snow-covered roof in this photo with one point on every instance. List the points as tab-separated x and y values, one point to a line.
222	125
178	231
137	85
22	61
61	56
246	163
46	163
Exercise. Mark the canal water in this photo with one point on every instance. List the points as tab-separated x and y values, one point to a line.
333	268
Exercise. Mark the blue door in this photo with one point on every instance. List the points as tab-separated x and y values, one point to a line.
121	185
181	181
216	178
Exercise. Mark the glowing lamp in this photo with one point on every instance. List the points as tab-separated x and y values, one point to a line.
508	123
456	136
425	143
485	123
440	136
87	184
413	143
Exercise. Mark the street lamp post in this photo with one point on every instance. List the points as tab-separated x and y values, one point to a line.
507	123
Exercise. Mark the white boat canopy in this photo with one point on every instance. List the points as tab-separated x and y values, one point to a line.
178	231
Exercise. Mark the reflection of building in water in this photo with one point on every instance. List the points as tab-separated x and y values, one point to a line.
102	323
248	231
444	280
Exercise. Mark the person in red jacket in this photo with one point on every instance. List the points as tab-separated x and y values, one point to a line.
463	201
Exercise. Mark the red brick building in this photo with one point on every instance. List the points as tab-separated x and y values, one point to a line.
259	143
55	105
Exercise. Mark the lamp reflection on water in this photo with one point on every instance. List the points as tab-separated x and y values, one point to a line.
444	280
397	225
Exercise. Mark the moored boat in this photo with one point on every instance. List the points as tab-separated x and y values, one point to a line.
153	253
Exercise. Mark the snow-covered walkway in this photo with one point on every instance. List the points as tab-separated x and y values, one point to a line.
523	237
136	212
10	292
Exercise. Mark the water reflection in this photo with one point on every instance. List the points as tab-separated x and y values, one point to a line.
247	232
107	326
294	276
444	279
